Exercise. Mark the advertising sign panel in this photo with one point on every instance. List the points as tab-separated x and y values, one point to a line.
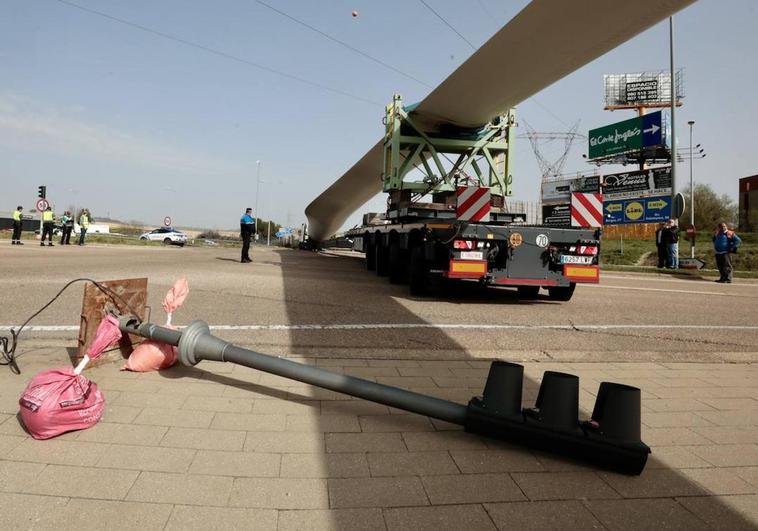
642	91
639	183
629	135
556	191
556	215
586	185
637	210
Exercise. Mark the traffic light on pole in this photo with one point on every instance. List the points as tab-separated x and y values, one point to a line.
41	192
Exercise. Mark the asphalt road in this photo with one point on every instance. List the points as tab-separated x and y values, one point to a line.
292	302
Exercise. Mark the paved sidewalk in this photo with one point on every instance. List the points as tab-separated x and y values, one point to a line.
226	447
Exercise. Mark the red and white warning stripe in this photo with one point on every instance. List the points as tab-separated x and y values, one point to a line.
583	249
473	203
586	210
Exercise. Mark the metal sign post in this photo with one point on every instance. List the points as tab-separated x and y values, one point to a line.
673	110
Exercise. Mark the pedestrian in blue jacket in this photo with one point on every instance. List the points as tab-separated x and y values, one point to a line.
725	242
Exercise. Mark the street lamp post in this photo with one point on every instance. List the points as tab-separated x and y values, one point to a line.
692	197
257	193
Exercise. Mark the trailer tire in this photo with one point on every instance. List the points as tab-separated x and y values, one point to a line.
382	266
397	263
528	292
370	255
418	278
562	293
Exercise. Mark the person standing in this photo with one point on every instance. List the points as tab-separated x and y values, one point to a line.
17	224
725	242
48	223
673	244
247	227
67	226
660	247
83	225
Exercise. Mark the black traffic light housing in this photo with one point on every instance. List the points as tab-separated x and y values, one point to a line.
611	438
42	192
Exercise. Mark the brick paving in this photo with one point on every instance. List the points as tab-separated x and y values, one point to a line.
225	447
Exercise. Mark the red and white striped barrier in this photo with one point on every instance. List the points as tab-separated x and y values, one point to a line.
586	210
473	203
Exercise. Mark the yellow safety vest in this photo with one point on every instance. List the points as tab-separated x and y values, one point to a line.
84	221
48	215
16	215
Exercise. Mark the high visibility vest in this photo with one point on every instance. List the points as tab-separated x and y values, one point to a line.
16	215
84	221
48	215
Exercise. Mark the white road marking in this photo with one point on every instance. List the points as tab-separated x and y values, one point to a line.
439	326
742	282
693	292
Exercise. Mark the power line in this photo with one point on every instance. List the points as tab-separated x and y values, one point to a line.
217	52
342	43
448	24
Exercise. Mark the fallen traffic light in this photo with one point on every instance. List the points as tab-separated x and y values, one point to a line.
611	438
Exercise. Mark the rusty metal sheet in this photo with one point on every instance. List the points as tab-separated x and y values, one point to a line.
95	305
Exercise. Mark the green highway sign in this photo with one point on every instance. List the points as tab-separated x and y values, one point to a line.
629	135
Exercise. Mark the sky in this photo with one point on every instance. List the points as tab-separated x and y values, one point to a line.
191	109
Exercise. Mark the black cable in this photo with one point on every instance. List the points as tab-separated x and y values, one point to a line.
216	52
342	43
448	24
8	344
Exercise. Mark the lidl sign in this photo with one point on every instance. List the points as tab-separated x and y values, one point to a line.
629	135
639	210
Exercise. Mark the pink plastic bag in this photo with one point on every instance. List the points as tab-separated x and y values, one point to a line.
57	401
153	355
61	400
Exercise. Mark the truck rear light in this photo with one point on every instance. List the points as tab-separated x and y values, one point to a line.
581	273
589	250
465	245
467	269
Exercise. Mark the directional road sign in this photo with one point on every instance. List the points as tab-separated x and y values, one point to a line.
629	135
640	210
691	263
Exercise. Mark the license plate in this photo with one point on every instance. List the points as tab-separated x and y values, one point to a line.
471	255
569	259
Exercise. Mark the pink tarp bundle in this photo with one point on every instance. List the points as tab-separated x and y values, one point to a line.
61	400
153	355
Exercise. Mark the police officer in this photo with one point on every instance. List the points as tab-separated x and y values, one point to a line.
17	223
247	227
48	222
83	225
67	226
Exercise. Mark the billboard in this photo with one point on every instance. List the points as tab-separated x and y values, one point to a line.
642	89
629	135
556	215
637	210
560	191
639	183
556	191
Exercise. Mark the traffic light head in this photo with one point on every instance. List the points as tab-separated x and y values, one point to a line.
42	192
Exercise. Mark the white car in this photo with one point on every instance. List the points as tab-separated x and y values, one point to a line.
167	235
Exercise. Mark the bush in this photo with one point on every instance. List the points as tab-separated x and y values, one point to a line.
209	235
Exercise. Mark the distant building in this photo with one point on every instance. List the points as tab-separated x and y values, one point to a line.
748	208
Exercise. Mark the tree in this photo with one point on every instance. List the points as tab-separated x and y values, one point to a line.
710	209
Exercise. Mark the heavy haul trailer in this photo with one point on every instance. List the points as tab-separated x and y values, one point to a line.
466	232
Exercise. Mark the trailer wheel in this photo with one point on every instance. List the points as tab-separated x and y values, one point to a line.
382	259
419	272
528	292
562	293
397	263
370	256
